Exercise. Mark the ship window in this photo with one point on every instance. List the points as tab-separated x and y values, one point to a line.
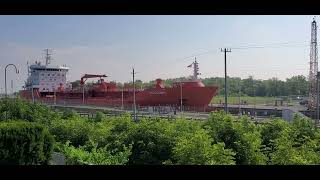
54	79
52	74
62	74
42	74
58	74
48	74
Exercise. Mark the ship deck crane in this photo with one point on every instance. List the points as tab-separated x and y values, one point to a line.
87	76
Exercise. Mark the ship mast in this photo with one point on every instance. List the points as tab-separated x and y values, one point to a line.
195	69
47	56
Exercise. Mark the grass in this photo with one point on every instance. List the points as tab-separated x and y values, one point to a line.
248	99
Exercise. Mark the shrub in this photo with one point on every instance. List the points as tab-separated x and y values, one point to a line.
25	143
113	132
94	156
197	149
151	144
68	113
77	130
242	137
99	117
11	109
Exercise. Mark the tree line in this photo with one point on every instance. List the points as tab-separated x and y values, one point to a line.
273	87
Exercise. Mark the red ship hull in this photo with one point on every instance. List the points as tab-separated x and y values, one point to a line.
196	96
193	94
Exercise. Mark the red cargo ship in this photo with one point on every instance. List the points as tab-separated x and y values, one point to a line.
191	93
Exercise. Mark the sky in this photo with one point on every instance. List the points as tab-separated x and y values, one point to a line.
157	46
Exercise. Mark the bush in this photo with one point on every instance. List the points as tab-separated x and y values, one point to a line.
113	132
303	129
151	144
99	117
11	109
25	143
242	137
77	130
197	149
94	156
68	113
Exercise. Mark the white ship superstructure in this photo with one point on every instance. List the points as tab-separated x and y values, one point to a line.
46	78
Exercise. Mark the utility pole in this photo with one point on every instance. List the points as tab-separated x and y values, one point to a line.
181	99
134	97
122	98
317	120
239	98
254	97
225	50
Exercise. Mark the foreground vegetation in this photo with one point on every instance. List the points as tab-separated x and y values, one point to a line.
32	130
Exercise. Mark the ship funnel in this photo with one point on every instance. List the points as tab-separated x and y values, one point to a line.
159	83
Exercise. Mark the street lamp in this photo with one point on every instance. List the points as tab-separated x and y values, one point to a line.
5	76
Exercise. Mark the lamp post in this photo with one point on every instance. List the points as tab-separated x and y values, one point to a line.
5	76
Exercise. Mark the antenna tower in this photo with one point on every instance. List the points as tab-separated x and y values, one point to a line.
313	66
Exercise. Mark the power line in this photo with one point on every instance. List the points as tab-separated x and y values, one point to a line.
257	46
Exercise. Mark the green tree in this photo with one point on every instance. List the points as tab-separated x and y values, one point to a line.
197	149
297	85
94	156
242	137
77	130
151	144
